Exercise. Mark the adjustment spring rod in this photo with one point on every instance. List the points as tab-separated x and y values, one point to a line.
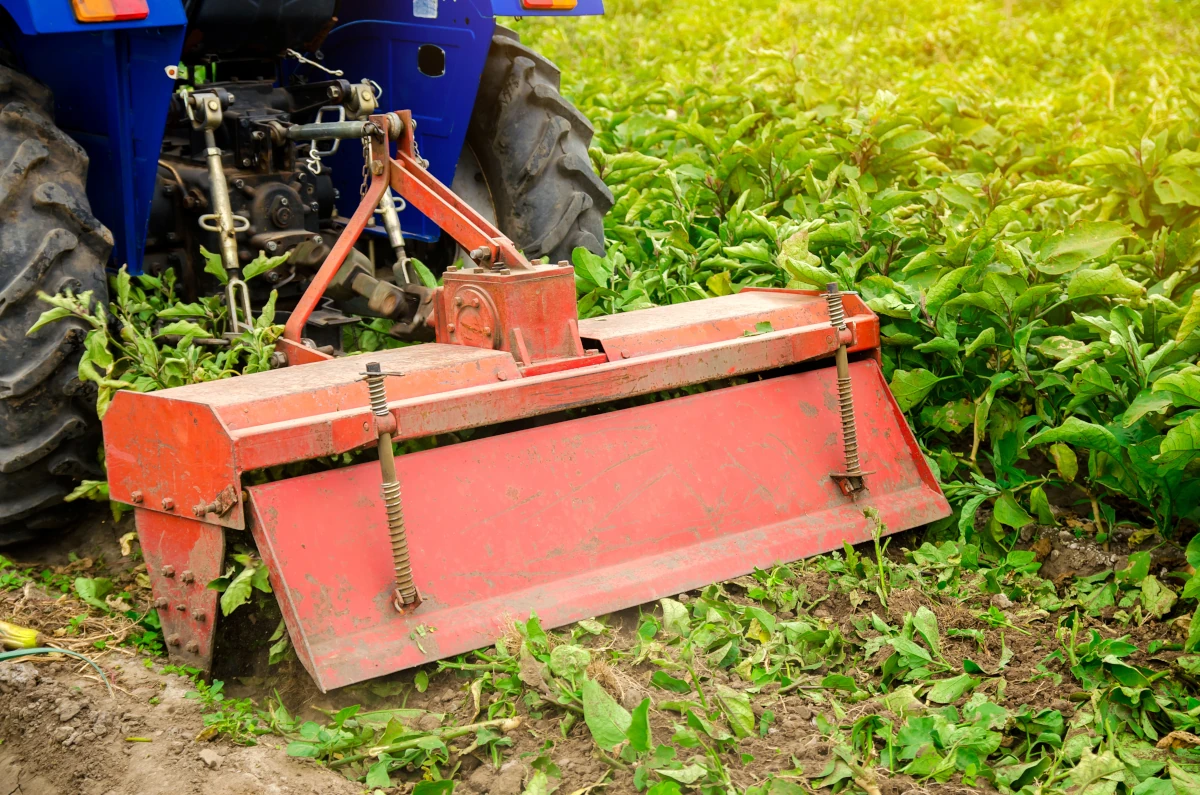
406	592
837	317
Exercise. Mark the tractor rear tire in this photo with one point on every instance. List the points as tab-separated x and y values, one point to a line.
49	242
532	148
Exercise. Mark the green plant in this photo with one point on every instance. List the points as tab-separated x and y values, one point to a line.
1022	220
147	338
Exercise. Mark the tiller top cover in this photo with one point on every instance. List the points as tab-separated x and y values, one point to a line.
385	565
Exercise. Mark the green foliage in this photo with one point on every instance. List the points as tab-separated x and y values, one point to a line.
237	585
235	719
148	338
1011	187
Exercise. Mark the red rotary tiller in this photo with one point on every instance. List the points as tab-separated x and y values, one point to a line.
382	566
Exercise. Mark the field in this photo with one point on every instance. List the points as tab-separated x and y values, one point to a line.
1015	189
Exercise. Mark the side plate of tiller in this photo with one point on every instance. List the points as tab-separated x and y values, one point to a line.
580	518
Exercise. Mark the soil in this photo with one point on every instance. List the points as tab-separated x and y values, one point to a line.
60	732
63	733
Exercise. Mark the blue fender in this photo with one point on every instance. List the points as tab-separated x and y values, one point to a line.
380	41
111	93
42	17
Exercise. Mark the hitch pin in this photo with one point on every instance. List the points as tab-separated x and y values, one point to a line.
852	480
406	598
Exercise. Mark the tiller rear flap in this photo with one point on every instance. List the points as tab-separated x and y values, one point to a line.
392	563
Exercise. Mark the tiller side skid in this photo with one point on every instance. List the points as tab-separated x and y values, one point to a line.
393	563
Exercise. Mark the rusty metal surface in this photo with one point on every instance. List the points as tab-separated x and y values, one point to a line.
509	399
189	443
168	456
580	518
182	557
677	326
529	313
335	385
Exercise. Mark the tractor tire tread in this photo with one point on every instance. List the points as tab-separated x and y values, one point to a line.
532	145
49	242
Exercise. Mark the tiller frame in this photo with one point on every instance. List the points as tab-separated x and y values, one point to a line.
569	518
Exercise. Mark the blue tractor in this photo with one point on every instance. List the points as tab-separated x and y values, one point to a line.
104	164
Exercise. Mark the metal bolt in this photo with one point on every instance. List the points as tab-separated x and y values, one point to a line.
376	167
187	576
181	608
239	183
458	301
283	201
258	135
502	376
168	571
316	208
450	327
198	615
317	240
272	245
160	602
168	504
231	98
334	92
193	647
367	95
173	640
214	105
474	302
136	497
367	426
487	329
245	162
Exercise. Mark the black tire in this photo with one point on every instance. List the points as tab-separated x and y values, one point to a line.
532	147
51	242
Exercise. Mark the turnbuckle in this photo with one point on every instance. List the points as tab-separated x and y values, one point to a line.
205	112
405	598
852	481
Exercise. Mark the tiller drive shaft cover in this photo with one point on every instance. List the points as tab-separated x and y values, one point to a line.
561	503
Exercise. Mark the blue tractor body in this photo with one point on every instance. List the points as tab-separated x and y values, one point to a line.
113	83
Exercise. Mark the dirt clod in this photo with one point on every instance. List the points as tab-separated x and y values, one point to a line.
67	709
17	676
211	759
510	781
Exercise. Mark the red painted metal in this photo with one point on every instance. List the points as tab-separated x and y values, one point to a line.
529	313
580	518
187	444
294	329
182	557
570	519
453	215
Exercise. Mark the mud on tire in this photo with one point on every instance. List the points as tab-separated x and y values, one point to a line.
51	242
532	147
